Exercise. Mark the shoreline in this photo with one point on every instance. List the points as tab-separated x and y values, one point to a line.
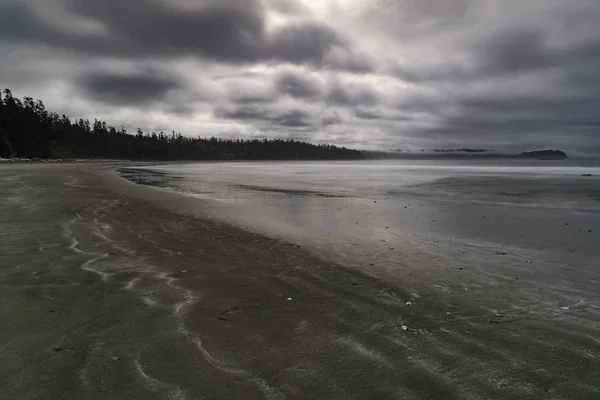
113	293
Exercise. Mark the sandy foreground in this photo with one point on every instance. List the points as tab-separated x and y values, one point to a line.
109	293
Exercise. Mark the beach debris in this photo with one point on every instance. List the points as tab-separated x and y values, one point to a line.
114	358
493	321
222	318
404	327
408	303
289	299
528	261
184	271
565	308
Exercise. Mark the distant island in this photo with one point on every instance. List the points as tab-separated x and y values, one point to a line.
545	154
461	151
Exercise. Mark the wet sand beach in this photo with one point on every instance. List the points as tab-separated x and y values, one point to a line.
109	292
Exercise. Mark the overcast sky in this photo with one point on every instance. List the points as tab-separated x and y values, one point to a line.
498	74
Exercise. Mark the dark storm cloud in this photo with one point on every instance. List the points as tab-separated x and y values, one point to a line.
376	115
293	119
367	114
227	31
506	52
306	86
290	118
517	50
351	95
306	42
513	51
533	114
298	85
333	119
346	59
516	123
131	89
430	74
19	22
252	99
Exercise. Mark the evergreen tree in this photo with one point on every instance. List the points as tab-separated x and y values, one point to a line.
28	130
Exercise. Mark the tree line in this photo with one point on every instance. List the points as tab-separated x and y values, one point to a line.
28	130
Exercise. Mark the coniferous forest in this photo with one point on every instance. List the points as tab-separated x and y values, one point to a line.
28	130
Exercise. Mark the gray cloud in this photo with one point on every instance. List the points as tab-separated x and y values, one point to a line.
389	73
333	119
307	42
132	88
285	118
351	95
288	7
298	85
518	50
368	114
227	31
293	118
